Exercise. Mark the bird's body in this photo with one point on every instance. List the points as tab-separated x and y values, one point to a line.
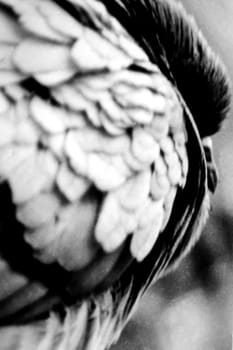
104	174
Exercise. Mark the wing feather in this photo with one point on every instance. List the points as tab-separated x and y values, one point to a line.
111	142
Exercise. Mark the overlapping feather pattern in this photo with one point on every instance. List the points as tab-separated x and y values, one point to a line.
103	174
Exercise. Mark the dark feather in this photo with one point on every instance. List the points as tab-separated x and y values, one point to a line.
173	41
189	213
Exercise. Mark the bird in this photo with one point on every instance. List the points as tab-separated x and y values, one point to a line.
107	109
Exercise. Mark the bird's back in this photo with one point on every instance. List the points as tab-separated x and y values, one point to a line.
104	175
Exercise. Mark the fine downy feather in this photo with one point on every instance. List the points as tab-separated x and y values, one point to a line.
101	150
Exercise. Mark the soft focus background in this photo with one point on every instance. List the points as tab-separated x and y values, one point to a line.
192	308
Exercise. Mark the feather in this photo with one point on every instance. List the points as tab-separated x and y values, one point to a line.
11	32
111	188
173	41
36	56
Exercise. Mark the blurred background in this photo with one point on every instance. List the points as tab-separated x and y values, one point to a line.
192	308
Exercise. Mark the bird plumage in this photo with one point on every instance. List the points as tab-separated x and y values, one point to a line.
105	161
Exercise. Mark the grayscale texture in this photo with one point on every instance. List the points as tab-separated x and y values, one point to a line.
106	165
